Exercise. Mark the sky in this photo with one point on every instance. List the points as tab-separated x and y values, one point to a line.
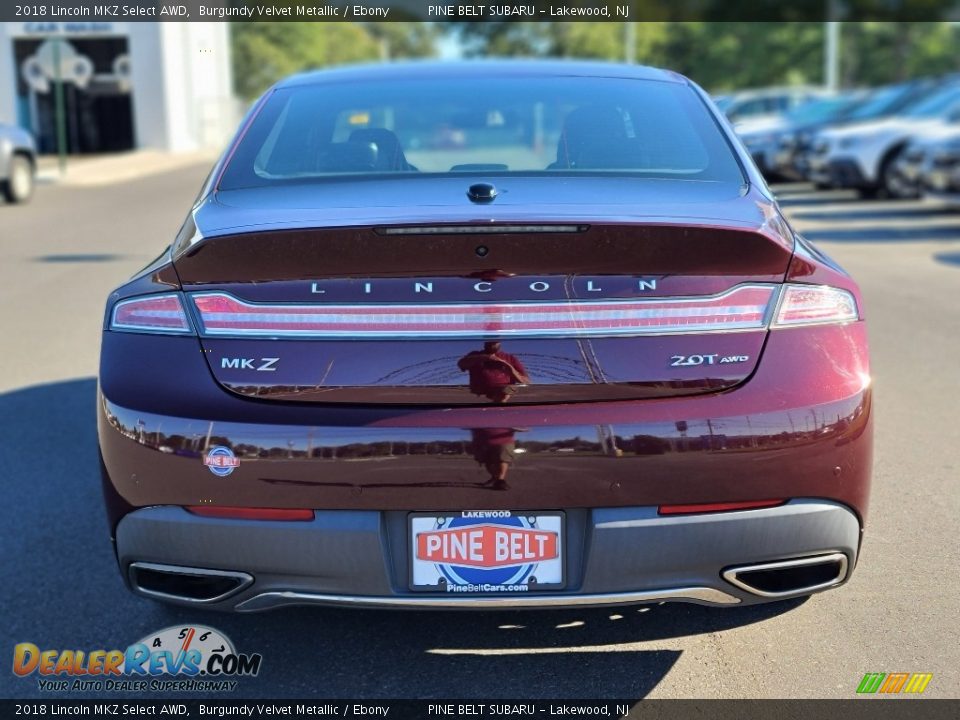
449	48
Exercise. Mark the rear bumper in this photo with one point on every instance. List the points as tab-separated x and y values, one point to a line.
844	173
942	199
941	183
839	172
614	556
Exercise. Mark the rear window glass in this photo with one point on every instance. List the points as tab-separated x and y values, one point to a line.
491	126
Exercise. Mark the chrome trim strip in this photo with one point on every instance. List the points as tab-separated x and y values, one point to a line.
274	599
730	575
245	581
480	309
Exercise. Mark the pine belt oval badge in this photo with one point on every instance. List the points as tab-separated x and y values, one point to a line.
221	460
487	551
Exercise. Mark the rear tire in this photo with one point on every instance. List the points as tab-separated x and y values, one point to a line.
18	188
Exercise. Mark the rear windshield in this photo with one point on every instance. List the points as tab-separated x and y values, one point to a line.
490	126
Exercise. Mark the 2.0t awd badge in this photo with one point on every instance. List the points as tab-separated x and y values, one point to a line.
694	360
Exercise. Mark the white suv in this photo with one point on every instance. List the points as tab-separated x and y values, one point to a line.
767	102
863	155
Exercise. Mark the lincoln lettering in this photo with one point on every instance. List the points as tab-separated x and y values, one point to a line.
420	287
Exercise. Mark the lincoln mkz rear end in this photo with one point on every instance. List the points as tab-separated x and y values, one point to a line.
489	335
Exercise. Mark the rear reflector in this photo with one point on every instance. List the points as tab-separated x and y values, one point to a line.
154	313
717	507
248	513
742	308
815	304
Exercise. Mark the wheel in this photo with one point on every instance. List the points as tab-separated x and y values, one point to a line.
19	185
894	184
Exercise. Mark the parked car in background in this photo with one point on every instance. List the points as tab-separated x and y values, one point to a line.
863	155
766	102
18	163
939	167
772	142
927	154
367	355
880	102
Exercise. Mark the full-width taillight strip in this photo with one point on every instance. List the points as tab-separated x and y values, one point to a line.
742	308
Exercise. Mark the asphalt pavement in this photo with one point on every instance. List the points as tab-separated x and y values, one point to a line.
59	586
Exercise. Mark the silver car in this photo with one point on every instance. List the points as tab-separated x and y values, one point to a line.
18	163
939	172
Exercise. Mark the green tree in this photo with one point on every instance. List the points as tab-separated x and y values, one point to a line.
403	39
264	52
880	52
733	55
718	55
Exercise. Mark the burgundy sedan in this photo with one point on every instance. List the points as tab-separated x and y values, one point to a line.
485	335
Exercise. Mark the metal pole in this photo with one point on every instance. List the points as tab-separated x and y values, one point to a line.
630	43
60	112
831	59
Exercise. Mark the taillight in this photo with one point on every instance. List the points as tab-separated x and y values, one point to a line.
815	304
742	308
250	513
153	313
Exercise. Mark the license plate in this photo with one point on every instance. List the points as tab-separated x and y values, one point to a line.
487	552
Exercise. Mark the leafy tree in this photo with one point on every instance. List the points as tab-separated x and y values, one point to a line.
403	39
264	52
733	55
879	52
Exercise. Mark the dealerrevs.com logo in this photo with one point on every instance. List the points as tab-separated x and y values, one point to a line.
178	658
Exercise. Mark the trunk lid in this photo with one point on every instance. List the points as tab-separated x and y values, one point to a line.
405	312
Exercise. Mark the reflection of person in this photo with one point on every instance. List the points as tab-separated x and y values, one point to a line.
493	372
495	449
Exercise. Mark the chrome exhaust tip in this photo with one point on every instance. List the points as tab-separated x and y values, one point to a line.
785	578
185	584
